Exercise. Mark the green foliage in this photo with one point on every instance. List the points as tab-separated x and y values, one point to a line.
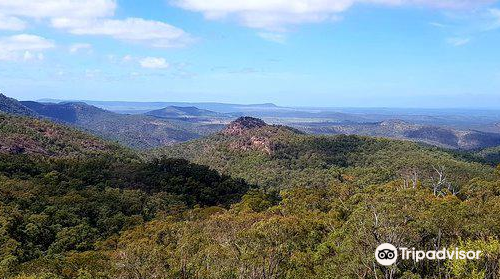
194	184
317	233
133	130
257	201
22	135
299	160
490	155
485	267
324	204
53	208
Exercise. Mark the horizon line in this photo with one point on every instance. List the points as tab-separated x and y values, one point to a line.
268	103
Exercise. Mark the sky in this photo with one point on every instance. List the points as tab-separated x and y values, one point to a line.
325	53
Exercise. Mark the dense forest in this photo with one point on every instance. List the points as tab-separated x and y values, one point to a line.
279	157
254	201
54	209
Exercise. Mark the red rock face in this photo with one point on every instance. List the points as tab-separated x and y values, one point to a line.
243	124
254	143
243	128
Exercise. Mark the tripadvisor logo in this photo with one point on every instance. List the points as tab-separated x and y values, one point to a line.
386	254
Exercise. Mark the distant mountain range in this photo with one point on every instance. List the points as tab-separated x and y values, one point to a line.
170	123
142	107
397	129
480	119
186	113
138	131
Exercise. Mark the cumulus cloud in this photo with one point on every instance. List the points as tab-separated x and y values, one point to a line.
74	48
154	33
278	14
24	46
153	63
91	17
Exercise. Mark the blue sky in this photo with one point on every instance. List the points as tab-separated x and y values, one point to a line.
329	53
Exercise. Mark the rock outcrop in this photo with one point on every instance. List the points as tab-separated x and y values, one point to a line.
242	125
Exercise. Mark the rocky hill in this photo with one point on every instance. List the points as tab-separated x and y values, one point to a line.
280	156
249	133
242	125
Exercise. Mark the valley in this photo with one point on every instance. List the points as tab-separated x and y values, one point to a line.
150	125
252	200
250	139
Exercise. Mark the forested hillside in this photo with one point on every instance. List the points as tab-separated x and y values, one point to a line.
24	135
313	207
490	155
281	157
324	232
137	131
12	106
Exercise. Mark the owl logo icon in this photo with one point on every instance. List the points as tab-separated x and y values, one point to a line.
386	254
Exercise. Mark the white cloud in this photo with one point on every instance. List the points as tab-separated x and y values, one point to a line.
23	46
273	37
153	33
25	42
91	17
278	14
74	48
11	23
458	41
153	63
58	8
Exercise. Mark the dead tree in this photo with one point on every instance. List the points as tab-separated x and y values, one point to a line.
410	177
440	182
